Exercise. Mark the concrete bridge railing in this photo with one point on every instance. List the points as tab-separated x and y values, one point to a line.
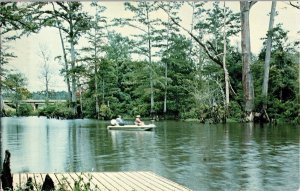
36	103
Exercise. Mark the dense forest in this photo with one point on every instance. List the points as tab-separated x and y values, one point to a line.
165	70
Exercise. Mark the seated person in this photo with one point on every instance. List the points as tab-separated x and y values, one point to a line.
138	121
113	122
120	121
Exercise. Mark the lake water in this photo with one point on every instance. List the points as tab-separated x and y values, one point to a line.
199	156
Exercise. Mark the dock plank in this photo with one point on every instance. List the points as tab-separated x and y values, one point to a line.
165	181
38	180
16	181
104	181
100	185
112	183
145	181
23	180
129	181
86	180
62	182
122	185
69	181
35	183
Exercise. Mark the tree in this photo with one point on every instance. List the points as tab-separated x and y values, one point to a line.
247	80
12	18
165	35
226	74
46	71
15	84
66	68
282	89
95	38
295	4
145	43
180	75
267	59
207	24
118	51
73	21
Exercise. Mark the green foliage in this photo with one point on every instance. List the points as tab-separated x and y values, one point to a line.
105	112
235	110
57	111
282	92
188	72
10	113
24	110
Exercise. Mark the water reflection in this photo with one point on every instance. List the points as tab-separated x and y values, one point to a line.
201	157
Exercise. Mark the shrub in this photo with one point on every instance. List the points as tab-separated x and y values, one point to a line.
105	112
24	109
57	111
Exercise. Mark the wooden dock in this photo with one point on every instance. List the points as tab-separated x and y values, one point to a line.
106	181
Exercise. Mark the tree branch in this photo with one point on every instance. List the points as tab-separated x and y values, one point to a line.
209	54
294	5
252	3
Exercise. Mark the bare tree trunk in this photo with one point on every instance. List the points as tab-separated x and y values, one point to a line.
1	73
299	86
73	78
166	89
96	94
66	65
166	68
80	100
96	83
151	71
65	57
103	90
246	60
96	67
268	56
226	75
47	87
192	4
46	72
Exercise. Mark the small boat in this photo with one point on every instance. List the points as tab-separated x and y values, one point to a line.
132	127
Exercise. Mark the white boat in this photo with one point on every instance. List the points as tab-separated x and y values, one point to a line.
132	127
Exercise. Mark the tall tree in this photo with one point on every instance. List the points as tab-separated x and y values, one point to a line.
165	35
226	74
15	84
96	38
118	51
144	22
46	71
267	59
208	24
66	65
14	17
180	74
247	80
73	21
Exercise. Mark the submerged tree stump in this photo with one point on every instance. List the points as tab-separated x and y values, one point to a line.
6	176
48	184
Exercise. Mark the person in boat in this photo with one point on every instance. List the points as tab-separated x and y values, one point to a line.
138	121
113	122
120	121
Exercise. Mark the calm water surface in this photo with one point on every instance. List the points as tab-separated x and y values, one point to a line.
200	157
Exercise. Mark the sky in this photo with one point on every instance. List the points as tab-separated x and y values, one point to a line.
27	49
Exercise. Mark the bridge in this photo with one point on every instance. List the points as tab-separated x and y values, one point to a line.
36	103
